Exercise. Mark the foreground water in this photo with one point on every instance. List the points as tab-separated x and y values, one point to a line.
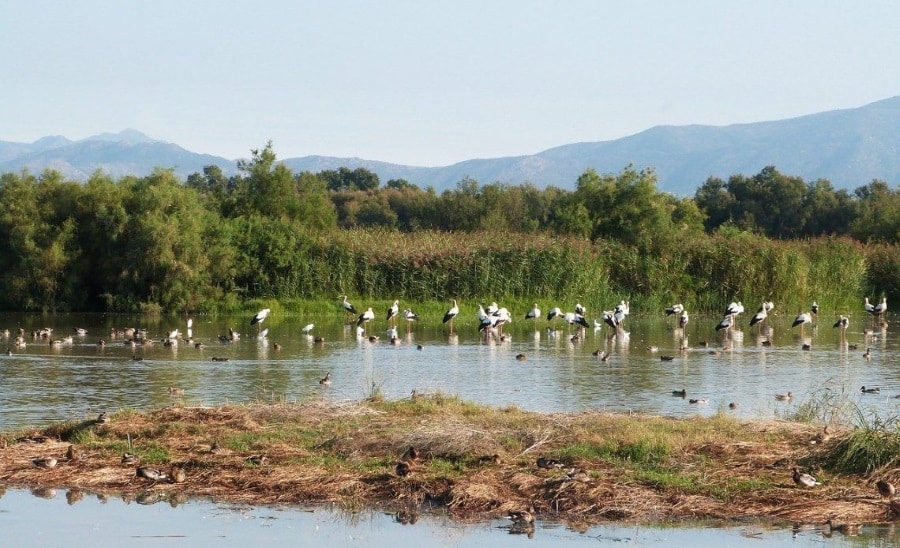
81	519
43	382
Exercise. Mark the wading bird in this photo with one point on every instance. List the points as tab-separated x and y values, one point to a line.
307	328
533	314
760	316
843	322
259	317
365	318
410	317
683	319
392	312
348	308
802	319
450	314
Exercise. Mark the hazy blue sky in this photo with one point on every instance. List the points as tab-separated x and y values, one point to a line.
430	83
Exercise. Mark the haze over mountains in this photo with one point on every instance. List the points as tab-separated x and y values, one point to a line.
849	147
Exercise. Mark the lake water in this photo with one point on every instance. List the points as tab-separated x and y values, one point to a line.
43	383
81	519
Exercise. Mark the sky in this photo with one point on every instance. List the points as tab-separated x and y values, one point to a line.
430	83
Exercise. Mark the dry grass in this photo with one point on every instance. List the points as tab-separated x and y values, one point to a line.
637	467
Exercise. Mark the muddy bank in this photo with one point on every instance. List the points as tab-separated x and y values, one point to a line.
475	462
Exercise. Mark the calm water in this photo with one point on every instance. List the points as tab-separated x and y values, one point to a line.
42	383
82	519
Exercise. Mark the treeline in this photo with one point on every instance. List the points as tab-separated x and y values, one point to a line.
214	242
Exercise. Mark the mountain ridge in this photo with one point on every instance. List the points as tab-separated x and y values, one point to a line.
849	147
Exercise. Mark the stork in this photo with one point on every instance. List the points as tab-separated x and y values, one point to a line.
683	319
392	312
802	319
410	317
365	318
533	314
450	314
259	317
760	316
843	322
555	312
348	308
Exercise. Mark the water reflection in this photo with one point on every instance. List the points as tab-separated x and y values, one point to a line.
102	520
602	368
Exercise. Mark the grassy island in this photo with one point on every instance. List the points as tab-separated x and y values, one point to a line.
472	461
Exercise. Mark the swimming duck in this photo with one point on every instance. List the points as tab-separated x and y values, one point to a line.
326	379
218	359
733	405
44	462
849	529
873	390
680	393
700	401
173	391
521	516
666	358
804	480
521	357
885	489
784	397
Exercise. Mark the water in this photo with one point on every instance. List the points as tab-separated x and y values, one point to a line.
42	383
81	519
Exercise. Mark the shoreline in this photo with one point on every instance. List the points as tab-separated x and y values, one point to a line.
473	462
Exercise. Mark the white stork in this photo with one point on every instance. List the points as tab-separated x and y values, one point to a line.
348	308
580	309
533	314
450	314
392	312
843	322
364	318
801	319
307	328
259	317
760	316
410	317
683	319
555	312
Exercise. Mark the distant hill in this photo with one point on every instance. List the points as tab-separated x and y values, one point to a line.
849	147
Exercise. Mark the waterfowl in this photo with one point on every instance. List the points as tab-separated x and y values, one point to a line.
72	454
578	475
410	454
326	379
178	475
804	480
652	349
373	338
151	474
307	328
822	436
136	358
849	529
872	390
699	401
44	462
666	358
806	346
319	340
784	397
258	460
174	391
733	405
521	357
814	308
129	459
521	516
543	462
680	393
276	346
885	489
403	469
103	417
868	354
488	459
843	322
419	347
219	359
674	309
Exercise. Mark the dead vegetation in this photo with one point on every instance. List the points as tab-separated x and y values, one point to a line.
475	462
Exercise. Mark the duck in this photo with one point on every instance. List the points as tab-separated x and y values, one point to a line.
151	474
219	359
547	464
578	475
258	460
521	357
103	418
699	401
733	405
822	436
178	474
804	480
849	529
521	516
129	459
868	354
174	391
326	379
410	454
680	393
403	469
872	390
666	358
885	489
784	397
44	462
489	459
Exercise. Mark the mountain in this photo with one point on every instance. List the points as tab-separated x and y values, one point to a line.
849	147
129	152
